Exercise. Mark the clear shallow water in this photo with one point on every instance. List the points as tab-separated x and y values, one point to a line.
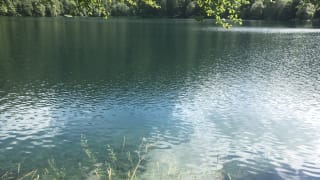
244	101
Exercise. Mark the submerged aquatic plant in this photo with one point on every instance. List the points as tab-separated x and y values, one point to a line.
117	164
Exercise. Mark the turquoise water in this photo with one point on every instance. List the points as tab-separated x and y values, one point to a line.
244	101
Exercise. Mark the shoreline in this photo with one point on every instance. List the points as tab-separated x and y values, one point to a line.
314	22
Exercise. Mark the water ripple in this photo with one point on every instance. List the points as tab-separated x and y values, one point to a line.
243	101
266	30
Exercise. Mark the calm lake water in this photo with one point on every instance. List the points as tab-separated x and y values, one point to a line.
244	101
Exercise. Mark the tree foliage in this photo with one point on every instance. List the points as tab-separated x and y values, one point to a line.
281	9
221	10
305	10
256	10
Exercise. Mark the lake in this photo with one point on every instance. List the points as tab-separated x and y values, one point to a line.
210	102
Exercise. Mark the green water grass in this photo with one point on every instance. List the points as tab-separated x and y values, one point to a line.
117	165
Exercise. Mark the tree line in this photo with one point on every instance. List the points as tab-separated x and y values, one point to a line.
281	9
219	9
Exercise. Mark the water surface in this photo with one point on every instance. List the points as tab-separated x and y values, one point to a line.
244	101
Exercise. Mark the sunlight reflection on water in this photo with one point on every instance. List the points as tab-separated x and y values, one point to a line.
264	30
244	101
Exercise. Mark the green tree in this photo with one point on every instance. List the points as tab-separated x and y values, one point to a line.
11	7
25	7
305	10
120	9
222	8
286	11
3	8
191	9
53	7
172	6
256	10
70	7
218	9
279	9
38	8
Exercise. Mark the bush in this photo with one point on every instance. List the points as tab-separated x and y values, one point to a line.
256	10
53	8
99	11
279	10
92	8
11	8
172	6
163	5
269	10
26	8
3	9
120	9
70	7
317	14
191	8
305	11
286	10
39	9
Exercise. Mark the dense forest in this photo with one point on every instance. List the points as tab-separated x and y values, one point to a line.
253	9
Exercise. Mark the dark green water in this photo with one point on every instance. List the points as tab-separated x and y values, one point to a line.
244	101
